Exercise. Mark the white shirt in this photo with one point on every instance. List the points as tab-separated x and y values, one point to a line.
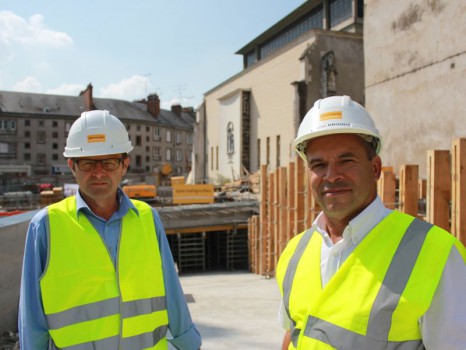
443	326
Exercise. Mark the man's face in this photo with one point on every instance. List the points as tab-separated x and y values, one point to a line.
342	178
95	182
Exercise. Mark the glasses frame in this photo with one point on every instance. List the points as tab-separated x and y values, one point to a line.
95	161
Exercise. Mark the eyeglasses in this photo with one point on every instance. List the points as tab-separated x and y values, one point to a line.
109	164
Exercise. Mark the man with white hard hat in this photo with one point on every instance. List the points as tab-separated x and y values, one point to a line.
98	272
364	276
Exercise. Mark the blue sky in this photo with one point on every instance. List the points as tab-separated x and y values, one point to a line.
179	49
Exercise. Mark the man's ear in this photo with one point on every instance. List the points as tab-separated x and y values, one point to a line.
377	167
71	164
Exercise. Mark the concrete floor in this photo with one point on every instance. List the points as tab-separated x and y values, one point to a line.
234	310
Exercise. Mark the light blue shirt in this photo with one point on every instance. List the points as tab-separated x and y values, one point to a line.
33	329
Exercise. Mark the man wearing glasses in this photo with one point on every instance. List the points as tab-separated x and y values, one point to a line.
97	271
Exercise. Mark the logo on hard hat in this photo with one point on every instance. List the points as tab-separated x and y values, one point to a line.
95	138
331	115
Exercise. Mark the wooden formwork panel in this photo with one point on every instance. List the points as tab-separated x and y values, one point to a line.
283	211
458	217
264	224
438	188
269	266
386	188
291	201
300	184
409	198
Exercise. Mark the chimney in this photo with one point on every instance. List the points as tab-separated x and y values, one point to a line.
177	109
153	105
88	100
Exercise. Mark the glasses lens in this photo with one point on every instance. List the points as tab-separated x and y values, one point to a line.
109	164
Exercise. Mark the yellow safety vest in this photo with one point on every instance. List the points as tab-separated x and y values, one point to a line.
90	304
378	294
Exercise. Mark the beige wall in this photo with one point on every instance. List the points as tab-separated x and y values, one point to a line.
274	101
415	60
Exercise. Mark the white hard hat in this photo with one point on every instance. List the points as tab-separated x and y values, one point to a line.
336	115
97	133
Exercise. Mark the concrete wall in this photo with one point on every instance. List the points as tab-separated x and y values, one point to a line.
415	61
12	237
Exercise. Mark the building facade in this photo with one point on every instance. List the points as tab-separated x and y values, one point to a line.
34	128
252	118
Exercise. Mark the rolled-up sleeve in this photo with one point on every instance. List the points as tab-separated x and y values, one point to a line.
184	335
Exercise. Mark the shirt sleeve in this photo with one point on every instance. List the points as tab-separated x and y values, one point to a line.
283	319
184	335
443	326
32	324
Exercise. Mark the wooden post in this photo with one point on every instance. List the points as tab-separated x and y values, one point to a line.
291	202
458	205
283	211
300	183
276	224
386	188
409	175
271	224
264	214
438	188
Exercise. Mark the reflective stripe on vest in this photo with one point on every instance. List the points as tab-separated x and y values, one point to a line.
317	330
91	305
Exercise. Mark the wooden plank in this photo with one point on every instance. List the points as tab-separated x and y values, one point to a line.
300	183
264	214
283	210
271	225
438	188
458	205
386	188
276	223
409	174
290	201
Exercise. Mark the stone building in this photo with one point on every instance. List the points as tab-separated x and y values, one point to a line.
415	75
34	127
252	118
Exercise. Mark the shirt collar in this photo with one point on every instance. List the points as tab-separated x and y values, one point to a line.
360	225
125	204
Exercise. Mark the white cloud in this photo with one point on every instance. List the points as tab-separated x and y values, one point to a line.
66	89
34	32
28	84
130	89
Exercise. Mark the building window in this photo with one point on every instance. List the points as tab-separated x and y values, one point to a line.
27	156
179	137
189	139
157	135
211	158
168	154
169	136
27	145
156	153
27	122
41	136
41	123
179	155
138	161
147	138
138	128
230	138
340	10
54	145
312	20
27	133
54	156
267	151
128	127
147	159
40	158
258	153
55	135
8	125
138	140
147	128
54	124
278	151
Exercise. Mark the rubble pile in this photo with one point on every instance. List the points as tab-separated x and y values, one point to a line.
9	341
